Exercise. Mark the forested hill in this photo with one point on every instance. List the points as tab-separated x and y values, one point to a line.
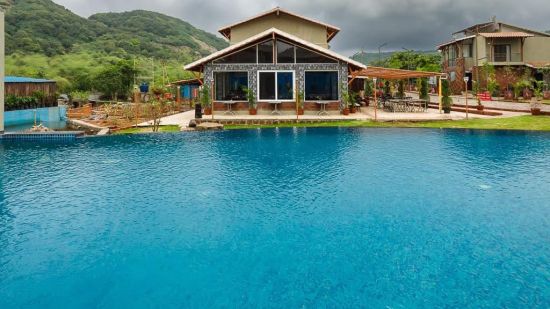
43	27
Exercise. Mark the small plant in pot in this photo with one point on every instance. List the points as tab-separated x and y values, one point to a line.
251	98
205	101
446	100
346	102
536	100
479	106
300	102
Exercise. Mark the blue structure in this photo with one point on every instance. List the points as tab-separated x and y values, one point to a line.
18	79
27	116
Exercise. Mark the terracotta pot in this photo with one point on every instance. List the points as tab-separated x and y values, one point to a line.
353	110
300	111
480	107
345	111
252	111
535	111
546	95
208	110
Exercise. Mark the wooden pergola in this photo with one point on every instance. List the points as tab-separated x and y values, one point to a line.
377	73
391	74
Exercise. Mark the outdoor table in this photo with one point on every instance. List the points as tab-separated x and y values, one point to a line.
275	109
322	108
229	105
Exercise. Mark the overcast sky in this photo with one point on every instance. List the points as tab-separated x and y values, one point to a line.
411	24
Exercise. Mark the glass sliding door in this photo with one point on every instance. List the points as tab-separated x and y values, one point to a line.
276	85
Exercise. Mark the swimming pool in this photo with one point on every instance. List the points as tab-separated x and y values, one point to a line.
385	218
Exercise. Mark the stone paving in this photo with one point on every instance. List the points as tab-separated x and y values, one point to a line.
182	119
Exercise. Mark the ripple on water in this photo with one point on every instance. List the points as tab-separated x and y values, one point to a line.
295	217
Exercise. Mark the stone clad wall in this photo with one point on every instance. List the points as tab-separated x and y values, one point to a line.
299	69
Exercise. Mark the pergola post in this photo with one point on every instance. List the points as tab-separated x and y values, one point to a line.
440	95
212	97
374	81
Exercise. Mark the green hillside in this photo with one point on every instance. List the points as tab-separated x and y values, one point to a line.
44	39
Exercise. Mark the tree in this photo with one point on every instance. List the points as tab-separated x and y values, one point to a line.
424	89
115	79
446	99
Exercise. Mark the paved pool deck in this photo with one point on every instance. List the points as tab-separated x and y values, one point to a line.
182	119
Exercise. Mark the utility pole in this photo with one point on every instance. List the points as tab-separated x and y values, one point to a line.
380	51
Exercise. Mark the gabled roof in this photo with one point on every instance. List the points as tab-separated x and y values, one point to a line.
18	79
331	30
270	33
479	27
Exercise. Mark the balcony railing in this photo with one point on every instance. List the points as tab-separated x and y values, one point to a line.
507	57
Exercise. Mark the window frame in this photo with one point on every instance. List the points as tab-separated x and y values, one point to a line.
276	85
232	71
338	88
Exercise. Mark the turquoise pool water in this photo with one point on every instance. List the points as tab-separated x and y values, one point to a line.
381	218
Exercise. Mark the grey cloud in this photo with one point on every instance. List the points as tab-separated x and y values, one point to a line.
412	24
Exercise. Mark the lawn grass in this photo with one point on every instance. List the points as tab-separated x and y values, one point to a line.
163	129
530	123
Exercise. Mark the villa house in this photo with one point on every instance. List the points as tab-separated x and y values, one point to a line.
276	55
513	51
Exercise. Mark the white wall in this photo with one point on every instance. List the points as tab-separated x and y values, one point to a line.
2	64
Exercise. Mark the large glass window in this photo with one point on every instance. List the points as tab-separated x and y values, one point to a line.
247	55
285	52
265	52
321	86
285	85
230	86
306	56
276	86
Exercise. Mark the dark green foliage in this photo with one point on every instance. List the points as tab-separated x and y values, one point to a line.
401	89
41	26
446	99
409	60
368	88
115	80
37	100
46	40
387	88
424	89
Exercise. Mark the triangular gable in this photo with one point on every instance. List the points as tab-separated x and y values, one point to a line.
331	30
270	33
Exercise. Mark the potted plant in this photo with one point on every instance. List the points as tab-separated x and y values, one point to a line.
479	106
368	91
546	78
251	98
354	98
423	94
205	101
446	100
346	102
535	101
300	102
